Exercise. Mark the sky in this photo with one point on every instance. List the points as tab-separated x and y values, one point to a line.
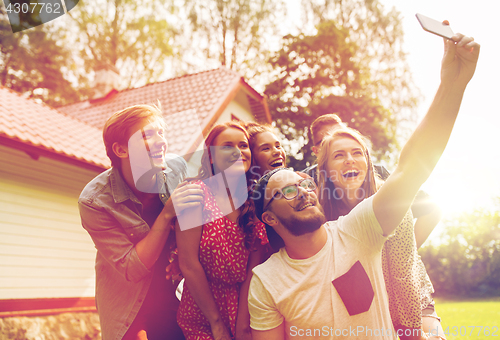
468	174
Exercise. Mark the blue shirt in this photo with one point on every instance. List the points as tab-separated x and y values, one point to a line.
111	214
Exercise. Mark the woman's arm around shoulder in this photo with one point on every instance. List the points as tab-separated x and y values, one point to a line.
426	145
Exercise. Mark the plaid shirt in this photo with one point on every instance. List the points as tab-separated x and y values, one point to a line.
111	214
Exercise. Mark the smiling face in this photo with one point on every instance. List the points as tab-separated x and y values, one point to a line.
230	152
300	215
144	153
347	164
268	153
147	144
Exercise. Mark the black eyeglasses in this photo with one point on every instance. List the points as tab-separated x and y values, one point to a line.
291	191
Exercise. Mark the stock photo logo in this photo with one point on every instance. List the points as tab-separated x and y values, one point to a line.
25	14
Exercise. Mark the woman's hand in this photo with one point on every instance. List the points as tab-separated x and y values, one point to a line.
459	60
219	331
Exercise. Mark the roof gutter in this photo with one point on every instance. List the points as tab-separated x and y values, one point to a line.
37	151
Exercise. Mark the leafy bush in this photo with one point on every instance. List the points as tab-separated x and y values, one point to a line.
467	260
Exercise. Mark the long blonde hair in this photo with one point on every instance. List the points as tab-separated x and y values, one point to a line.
334	206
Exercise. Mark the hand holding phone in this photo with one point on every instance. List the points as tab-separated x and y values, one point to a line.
434	26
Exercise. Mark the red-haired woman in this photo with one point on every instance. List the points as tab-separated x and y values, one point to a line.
219	243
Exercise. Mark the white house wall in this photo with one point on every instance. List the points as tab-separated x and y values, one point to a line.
44	251
236	109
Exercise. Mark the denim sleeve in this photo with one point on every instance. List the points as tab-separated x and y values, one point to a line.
114	242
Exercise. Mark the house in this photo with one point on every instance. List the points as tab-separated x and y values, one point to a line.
48	155
192	104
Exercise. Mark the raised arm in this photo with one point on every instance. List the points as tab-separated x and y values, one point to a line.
424	148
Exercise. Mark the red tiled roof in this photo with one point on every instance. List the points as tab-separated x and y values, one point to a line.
205	94
40	126
191	104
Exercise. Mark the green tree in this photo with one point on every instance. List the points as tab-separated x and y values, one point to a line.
378	33
467	260
132	35
375	91
233	33
36	62
319	74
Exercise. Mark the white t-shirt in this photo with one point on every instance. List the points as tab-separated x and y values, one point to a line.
301	293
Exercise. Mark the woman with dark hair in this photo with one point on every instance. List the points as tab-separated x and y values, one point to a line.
266	148
219	242
267	154
346	176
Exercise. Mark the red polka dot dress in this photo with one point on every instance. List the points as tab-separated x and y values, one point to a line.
224	258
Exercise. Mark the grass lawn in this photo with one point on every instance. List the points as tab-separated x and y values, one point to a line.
464	318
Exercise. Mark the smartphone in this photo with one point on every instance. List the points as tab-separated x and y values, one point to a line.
434	26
